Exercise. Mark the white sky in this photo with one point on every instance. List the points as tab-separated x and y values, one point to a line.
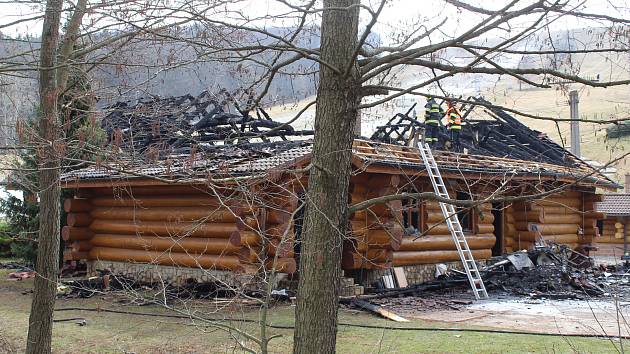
397	15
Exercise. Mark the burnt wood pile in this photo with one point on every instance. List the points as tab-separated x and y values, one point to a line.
498	134
185	123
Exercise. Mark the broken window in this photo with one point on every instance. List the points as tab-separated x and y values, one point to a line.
465	214
411	214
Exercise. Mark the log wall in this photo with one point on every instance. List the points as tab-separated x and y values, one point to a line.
374	233
179	226
437	245
566	218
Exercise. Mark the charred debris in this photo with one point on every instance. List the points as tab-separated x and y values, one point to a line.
488	131
186	124
550	271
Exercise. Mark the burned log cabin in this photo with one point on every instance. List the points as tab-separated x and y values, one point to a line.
193	187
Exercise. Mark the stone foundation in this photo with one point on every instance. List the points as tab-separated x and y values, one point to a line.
416	274
154	273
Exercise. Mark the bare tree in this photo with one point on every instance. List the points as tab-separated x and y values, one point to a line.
40	320
353	74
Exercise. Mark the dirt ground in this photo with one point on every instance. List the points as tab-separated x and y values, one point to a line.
359	332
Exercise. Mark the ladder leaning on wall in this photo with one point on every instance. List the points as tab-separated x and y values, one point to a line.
452	221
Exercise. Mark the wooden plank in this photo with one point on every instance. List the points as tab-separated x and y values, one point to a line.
401	279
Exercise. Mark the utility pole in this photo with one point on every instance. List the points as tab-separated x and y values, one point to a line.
575	124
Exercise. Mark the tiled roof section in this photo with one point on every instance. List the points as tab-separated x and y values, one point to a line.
230	160
395	155
614	204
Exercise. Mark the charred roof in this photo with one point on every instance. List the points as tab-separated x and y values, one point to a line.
192	137
488	131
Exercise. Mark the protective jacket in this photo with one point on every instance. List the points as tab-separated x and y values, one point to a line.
454	118
432	112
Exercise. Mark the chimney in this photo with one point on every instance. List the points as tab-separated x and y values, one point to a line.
627	183
575	124
357	126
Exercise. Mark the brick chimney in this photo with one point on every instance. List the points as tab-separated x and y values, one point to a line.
627	183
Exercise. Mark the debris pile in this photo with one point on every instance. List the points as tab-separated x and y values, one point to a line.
553	272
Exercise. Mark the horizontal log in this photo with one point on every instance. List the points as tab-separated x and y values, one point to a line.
483	228
524	236
157	228
247	238
403	258
613	240
509	216
510	229
72	205
560	202
529	216
161	201
282	265
508	242
618	225
81	246
281	231
437	229
618	234
282	249
276	216
485	218
162	190
431	216
390	238
556	229
570	238
445	242
525	226
352	260
550	209
185	244
223	262
76	233
594	215
200	214
78	219
379	256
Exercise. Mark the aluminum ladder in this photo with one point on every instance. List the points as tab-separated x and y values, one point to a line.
450	216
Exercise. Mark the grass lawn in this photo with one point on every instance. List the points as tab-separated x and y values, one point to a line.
120	333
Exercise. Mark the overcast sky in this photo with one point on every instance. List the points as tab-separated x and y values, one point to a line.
395	17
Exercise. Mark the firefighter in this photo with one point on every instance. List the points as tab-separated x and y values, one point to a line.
454	118
432	115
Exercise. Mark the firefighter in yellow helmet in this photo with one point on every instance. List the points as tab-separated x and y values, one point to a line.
432	115
454	118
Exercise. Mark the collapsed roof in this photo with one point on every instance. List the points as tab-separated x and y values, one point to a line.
190	137
179	124
488	131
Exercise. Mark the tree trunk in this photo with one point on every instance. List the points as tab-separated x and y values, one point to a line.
41	318
327	202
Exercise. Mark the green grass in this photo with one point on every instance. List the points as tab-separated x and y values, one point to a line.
118	333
